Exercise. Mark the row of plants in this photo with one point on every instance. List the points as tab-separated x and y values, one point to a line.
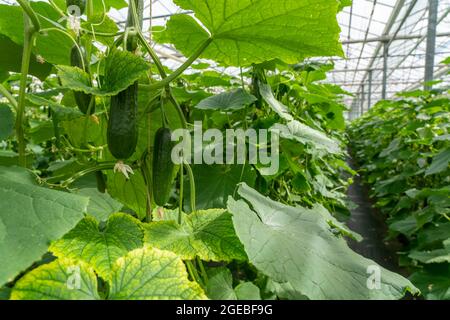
92	205
403	147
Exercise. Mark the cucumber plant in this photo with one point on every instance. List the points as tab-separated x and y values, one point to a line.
110	203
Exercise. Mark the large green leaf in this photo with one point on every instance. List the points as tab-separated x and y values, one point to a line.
31	217
249	31
207	234
216	182
277	106
6	121
433	281
295	245
101	205
433	256
220	287
295	130
440	162
152	274
100	247
62	279
11	59
122	68
86	129
220	284
130	192
232	100
11	25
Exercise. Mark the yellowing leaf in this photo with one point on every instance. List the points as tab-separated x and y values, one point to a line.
152	274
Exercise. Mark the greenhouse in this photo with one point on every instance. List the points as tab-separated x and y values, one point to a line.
263	150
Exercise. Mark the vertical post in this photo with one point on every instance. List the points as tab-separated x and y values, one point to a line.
362	98
385	63
369	94
431	42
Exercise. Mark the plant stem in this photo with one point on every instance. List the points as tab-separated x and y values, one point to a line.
202	270
191	184
78	175
8	96
193	272
180	208
182	68
31	14
168	79
26	55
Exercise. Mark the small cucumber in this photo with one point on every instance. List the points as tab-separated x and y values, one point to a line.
101	183
82	99
163	169
122	126
132	40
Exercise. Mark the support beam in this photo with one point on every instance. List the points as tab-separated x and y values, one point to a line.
431	41
363	98
369	94
392	38
385	66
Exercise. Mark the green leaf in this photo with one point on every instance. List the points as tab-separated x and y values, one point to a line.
11	59
17	174
31	217
130	192
233	100
304	134
86	129
62	279
246	32
277	106
122	69
216	183
101	205
295	245
100	247
433	256
433	281
152	274
220	284
247	291
107	25
11	25
440	162
7	120
208	234
11	158
5	293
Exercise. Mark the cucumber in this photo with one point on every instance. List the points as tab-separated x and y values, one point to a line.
132	40
163	169
82	99
79	3
101	183
122	130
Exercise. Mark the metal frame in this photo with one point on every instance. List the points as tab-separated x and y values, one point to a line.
407	50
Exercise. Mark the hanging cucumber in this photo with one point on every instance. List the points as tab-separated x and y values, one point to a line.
81	4
122	126
101	183
163	168
82	99
132	40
